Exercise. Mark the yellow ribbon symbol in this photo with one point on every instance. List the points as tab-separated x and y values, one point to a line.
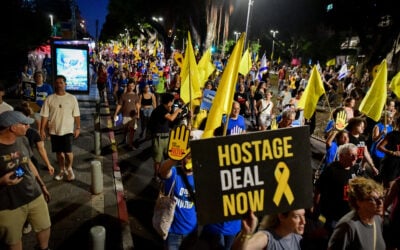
282	174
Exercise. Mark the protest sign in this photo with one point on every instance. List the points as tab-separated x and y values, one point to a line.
266	172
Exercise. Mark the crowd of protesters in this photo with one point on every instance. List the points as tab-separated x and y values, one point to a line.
145	87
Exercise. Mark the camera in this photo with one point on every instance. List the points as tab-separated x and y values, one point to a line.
184	107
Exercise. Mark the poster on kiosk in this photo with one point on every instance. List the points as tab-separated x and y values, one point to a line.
71	59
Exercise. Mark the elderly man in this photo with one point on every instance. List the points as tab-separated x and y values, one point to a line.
23	194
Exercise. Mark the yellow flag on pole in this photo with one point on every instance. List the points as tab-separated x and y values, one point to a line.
395	85
223	99
331	62
374	101
155	48
245	63
206	67
190	86
312	93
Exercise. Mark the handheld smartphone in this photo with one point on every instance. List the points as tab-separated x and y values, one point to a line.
19	171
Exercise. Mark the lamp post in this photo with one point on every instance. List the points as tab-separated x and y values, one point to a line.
274	32
51	24
236	35
247	21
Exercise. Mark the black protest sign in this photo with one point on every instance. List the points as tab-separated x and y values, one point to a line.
29	91
266	172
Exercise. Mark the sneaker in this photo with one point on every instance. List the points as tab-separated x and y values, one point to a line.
60	176
70	175
27	228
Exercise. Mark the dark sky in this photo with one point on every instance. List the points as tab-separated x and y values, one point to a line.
264	15
92	10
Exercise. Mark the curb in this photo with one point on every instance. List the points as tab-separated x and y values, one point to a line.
127	241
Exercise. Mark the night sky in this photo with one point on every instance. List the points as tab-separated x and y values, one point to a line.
92	10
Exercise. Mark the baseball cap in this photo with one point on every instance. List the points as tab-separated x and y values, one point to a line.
9	118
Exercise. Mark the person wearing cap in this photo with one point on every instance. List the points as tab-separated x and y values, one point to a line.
61	117
23	194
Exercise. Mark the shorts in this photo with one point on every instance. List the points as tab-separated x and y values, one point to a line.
129	122
160	147
61	143
12	221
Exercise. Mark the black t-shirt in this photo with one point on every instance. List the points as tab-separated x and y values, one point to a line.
12	156
157	122
333	185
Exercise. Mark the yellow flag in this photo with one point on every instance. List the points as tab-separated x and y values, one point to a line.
395	85
190	86
206	67
155	48
279	60
223	99
312	93
178	59
374	101
245	63
331	62
116	49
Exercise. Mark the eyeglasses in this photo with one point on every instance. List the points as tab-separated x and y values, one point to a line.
375	200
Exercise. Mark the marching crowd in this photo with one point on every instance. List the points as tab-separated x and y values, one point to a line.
356	188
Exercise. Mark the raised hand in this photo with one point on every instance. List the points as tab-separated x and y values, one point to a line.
340	122
178	144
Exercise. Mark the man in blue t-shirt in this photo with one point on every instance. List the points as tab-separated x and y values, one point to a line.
236	122
43	90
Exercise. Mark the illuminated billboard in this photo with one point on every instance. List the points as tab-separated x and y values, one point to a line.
72	61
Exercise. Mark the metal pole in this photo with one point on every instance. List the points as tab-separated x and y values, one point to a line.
97	139
274	32
247	23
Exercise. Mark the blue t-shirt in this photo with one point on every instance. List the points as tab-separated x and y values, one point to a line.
42	93
225	228
235	127
185	219
374	150
331	153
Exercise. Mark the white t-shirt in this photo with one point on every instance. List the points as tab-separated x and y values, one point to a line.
5	107
61	111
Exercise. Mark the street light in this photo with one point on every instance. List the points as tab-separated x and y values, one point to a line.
157	19
274	32
247	21
237	34
52	25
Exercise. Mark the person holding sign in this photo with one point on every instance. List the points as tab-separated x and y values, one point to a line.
280	231
183	231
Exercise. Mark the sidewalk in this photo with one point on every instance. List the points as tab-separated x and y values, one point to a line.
74	210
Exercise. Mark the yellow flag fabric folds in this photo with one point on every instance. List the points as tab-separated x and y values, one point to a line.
223	99
374	101
245	63
190	86
314	90
395	85
206	67
331	62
